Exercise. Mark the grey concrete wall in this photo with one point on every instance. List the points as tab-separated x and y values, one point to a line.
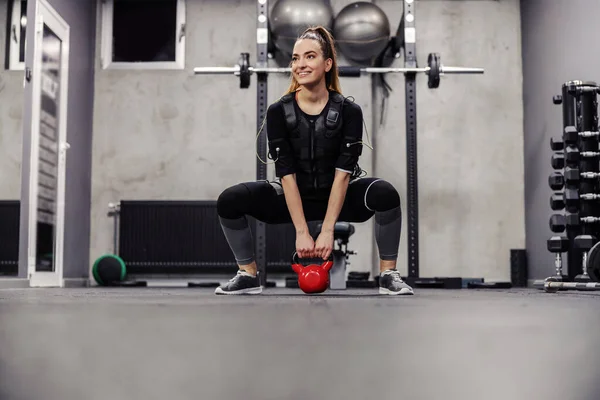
470	139
11	119
172	135
548	26
81	17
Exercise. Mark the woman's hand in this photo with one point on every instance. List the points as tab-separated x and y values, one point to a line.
324	244
305	245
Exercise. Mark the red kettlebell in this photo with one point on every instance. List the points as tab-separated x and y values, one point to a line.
312	278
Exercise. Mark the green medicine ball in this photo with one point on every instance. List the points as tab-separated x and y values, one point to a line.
108	270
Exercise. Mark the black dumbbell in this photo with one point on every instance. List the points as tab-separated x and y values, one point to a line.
559	222
571	135
572	175
573	155
573	219
558	160
558	245
585	243
556	144
572	198
556	181
557	201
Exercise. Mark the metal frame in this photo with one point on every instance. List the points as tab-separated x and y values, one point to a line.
46	15
262	43
412	181
587	120
410	61
574	265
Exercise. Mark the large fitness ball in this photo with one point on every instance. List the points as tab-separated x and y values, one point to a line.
289	18
362	31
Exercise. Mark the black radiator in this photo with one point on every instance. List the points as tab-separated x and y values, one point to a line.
10	211
179	237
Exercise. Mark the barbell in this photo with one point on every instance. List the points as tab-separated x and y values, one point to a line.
553	286
434	70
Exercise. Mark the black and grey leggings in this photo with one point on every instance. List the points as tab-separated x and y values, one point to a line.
265	201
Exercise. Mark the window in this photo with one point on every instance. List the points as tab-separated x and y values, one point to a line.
16	39
143	34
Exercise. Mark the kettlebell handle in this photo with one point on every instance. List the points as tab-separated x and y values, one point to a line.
296	260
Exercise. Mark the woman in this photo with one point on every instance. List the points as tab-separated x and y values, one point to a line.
315	141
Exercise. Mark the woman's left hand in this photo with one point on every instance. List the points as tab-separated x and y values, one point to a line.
324	244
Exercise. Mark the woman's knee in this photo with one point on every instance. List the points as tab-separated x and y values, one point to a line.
382	196
231	200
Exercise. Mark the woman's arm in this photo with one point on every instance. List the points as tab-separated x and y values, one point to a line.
305	245
336	200
324	243
350	151
280	149
285	169
294	203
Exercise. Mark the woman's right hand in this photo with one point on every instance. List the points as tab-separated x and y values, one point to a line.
305	245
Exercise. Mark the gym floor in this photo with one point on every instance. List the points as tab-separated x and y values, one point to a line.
151	343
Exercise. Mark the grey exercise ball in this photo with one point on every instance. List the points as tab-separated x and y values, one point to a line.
362	31
289	18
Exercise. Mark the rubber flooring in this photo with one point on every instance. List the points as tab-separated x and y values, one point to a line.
151	343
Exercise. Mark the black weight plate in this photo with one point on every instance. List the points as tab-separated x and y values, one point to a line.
593	263
244	64
434	62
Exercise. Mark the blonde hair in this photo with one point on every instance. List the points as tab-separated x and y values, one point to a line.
325	39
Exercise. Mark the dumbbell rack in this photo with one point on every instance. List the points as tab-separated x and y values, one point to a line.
576	185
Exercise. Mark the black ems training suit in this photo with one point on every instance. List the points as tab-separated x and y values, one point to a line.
313	147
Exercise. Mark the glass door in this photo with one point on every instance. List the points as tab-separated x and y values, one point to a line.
48	148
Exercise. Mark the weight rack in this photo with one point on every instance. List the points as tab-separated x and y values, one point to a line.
405	39
407	30
576	158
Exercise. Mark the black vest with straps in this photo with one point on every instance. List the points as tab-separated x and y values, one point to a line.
315	143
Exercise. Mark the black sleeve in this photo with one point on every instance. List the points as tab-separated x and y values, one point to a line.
279	144
352	131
